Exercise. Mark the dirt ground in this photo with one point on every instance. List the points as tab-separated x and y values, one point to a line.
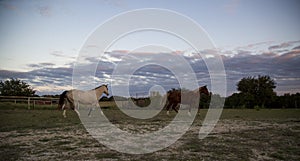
239	135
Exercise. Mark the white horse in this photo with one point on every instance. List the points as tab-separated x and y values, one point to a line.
75	97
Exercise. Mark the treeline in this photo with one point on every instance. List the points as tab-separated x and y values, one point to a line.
258	92
254	93
237	100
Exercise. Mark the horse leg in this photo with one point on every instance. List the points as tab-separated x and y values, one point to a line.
64	110
77	105
190	108
101	112
63	106
77	108
77	112
93	108
90	110
168	108
174	107
64	113
100	109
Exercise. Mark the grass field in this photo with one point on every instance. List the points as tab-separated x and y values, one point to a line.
239	135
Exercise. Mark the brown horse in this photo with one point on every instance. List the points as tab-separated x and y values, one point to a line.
175	97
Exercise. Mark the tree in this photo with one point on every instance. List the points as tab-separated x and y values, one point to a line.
204	100
234	101
287	101
15	87
257	90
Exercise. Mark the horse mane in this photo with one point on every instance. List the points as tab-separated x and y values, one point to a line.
100	86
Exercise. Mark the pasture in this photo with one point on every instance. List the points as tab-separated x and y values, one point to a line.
241	134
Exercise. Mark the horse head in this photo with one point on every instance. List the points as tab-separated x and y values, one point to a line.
204	90
106	89
102	89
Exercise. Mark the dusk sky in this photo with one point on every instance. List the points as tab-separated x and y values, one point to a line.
40	40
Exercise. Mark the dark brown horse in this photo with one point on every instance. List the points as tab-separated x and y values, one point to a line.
191	98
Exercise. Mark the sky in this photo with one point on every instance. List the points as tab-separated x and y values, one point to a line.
41	40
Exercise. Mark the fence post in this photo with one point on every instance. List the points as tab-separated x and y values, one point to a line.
28	103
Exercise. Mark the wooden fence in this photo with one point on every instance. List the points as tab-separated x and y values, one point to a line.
30	100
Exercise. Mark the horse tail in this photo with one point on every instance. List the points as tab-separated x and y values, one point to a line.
61	99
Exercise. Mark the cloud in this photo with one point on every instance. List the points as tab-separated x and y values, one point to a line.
240	62
45	10
62	55
40	65
284	67
254	45
232	6
42	77
116	3
284	47
296	48
294	54
5	74
280	46
7	5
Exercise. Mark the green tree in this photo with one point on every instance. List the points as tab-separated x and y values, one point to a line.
265	92
257	90
15	87
234	101
204	100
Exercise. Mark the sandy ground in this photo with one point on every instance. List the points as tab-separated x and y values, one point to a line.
231	139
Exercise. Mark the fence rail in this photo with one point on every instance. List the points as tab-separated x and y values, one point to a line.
30	100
